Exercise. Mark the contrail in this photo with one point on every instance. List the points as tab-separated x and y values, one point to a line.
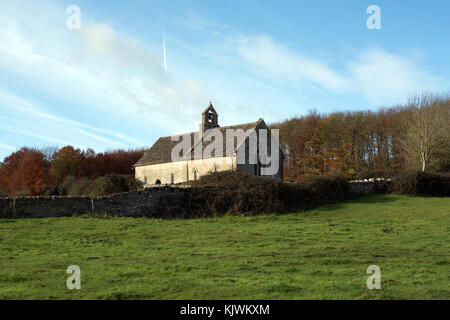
164	43
164	50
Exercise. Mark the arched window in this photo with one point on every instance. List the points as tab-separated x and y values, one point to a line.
195	173
158	182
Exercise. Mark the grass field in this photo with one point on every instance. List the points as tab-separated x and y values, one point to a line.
316	254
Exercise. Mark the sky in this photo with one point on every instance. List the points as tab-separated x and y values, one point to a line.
110	84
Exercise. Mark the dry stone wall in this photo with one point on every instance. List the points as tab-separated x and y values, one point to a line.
362	187
370	186
129	204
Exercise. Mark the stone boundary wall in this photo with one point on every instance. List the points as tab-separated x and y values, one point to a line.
369	186
129	204
362	187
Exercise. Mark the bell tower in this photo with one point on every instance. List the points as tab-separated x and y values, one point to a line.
209	119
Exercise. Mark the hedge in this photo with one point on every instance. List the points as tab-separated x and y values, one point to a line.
233	192
422	184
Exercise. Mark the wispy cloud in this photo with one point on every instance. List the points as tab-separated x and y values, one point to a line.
381	76
18	104
7	147
373	73
94	66
32	134
263	52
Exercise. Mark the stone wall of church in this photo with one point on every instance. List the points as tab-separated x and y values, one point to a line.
253	169
181	171
165	173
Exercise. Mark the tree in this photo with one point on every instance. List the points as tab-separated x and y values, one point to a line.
367	143
426	129
24	173
65	162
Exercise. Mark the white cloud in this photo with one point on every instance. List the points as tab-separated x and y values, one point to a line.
195	89
280	61
377	75
95	66
381	76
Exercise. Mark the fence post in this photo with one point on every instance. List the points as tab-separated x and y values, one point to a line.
92	205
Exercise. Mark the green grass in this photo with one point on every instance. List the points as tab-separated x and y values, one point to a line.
315	254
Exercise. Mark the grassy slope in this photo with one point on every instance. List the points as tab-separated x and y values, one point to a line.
321	253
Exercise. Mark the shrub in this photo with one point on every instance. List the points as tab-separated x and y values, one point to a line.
422	183
327	189
55	190
3	193
234	192
384	186
111	184
133	184
78	188
68	182
105	185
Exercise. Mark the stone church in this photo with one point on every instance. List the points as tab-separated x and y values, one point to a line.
156	167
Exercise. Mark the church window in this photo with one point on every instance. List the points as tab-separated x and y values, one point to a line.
195	172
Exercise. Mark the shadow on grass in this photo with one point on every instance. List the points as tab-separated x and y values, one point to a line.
375	198
367	198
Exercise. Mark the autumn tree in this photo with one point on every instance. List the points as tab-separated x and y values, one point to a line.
65	162
367	143
24	173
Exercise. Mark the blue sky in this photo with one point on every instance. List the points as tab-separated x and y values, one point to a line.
104	86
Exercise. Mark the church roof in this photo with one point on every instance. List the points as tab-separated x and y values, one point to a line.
161	150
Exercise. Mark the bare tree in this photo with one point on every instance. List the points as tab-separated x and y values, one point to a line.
426	130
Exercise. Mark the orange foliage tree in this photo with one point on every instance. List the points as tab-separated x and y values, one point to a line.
24	173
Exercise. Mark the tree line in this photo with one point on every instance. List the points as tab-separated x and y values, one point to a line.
52	171
359	144
363	144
